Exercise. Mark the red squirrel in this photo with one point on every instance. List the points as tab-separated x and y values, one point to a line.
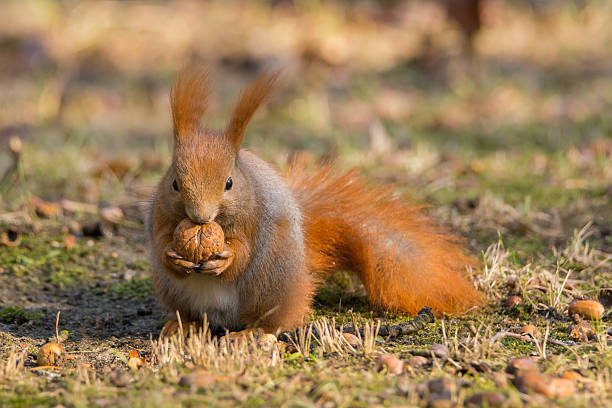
284	234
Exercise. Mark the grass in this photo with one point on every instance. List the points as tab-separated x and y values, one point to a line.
15	315
511	149
136	288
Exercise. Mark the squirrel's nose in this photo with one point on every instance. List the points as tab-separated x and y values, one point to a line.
201	214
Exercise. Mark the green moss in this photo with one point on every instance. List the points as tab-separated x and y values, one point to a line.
517	346
137	288
16	315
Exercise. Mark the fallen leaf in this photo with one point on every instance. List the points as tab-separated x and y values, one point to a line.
135	362
581	330
531	330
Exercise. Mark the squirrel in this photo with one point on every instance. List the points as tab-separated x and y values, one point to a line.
284	234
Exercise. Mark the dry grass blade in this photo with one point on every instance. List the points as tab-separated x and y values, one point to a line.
201	349
330	339
479	347
370	332
303	340
13	364
496	269
579	250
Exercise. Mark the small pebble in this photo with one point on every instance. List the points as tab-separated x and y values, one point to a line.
391	362
513	301
532	381
112	214
93	230
572	375
562	387
531	330
44	209
486	399
440	388
267	341
439	350
440	403
521	364
128	275
119	377
404	384
417	361
351	339
15	145
198	379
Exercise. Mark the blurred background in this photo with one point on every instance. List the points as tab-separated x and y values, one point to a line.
456	101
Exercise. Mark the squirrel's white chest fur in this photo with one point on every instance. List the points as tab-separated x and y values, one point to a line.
210	295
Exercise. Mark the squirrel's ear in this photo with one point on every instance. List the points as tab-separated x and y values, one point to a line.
250	99
188	100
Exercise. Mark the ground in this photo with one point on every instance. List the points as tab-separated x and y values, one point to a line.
508	145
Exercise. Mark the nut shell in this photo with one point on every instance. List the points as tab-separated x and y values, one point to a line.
198	243
587	309
391	362
50	354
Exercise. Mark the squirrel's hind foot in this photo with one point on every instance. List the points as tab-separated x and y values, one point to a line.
172	327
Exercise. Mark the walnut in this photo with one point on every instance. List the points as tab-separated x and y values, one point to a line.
198	242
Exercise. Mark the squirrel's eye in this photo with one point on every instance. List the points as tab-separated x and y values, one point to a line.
228	184
175	185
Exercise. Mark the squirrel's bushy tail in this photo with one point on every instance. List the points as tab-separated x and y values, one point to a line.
404	259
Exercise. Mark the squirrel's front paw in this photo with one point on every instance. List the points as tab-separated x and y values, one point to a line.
178	263
217	265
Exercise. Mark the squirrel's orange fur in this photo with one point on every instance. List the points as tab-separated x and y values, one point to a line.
282	235
404	259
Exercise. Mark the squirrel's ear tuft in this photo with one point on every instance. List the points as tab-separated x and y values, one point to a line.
250	99
188	100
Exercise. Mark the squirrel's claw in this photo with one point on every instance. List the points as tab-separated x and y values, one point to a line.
172	253
225	254
179	262
218	265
